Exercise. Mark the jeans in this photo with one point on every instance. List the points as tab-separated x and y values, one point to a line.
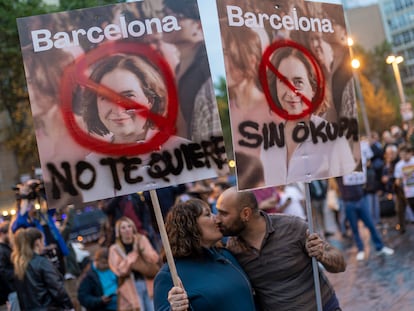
147	304
373	202
359	210
342	216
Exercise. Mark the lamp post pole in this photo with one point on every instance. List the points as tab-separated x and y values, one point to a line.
394	61
362	103
355	65
405	108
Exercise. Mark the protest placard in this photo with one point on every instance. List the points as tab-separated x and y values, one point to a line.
291	94
115	107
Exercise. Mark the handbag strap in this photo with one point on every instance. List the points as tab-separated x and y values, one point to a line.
121	253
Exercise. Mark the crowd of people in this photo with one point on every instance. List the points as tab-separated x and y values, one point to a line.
213	231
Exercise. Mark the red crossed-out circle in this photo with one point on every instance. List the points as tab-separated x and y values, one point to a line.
266	64
77	74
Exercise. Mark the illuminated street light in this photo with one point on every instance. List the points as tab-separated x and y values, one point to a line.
355	64
405	108
394	61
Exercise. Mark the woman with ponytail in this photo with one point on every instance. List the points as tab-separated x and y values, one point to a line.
39	285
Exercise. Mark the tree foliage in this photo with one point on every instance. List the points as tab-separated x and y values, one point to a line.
381	112
379	87
374	66
14	98
223	107
66	5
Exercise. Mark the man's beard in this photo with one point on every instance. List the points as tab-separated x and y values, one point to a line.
237	228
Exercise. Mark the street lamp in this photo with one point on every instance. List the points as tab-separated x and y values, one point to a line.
405	108
394	61
355	64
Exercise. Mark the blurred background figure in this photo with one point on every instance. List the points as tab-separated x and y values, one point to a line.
318	191
404	174
98	287
33	212
166	197
292	199
217	188
357	208
7	291
391	190
135	207
129	250
268	199
39	284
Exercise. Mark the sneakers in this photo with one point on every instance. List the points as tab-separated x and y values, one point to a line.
360	256
386	251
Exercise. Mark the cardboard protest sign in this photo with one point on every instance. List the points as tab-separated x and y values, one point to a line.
291	95
116	110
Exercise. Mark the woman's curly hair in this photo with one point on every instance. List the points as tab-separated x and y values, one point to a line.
182	228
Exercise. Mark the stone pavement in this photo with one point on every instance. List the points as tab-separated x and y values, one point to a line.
380	282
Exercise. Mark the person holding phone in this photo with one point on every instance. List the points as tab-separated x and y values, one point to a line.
98	287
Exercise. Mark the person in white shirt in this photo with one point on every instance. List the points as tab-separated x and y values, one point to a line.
293	200
404	174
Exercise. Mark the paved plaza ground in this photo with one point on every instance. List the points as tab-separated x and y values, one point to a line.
379	283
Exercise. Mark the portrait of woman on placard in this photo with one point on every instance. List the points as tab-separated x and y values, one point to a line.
132	77
308	159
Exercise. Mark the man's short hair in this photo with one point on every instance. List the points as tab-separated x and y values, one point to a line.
405	148
101	253
247	199
392	148
188	8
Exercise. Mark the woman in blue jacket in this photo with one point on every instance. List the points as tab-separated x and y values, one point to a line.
211	277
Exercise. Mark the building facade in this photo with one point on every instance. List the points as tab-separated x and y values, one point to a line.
398	20
366	34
